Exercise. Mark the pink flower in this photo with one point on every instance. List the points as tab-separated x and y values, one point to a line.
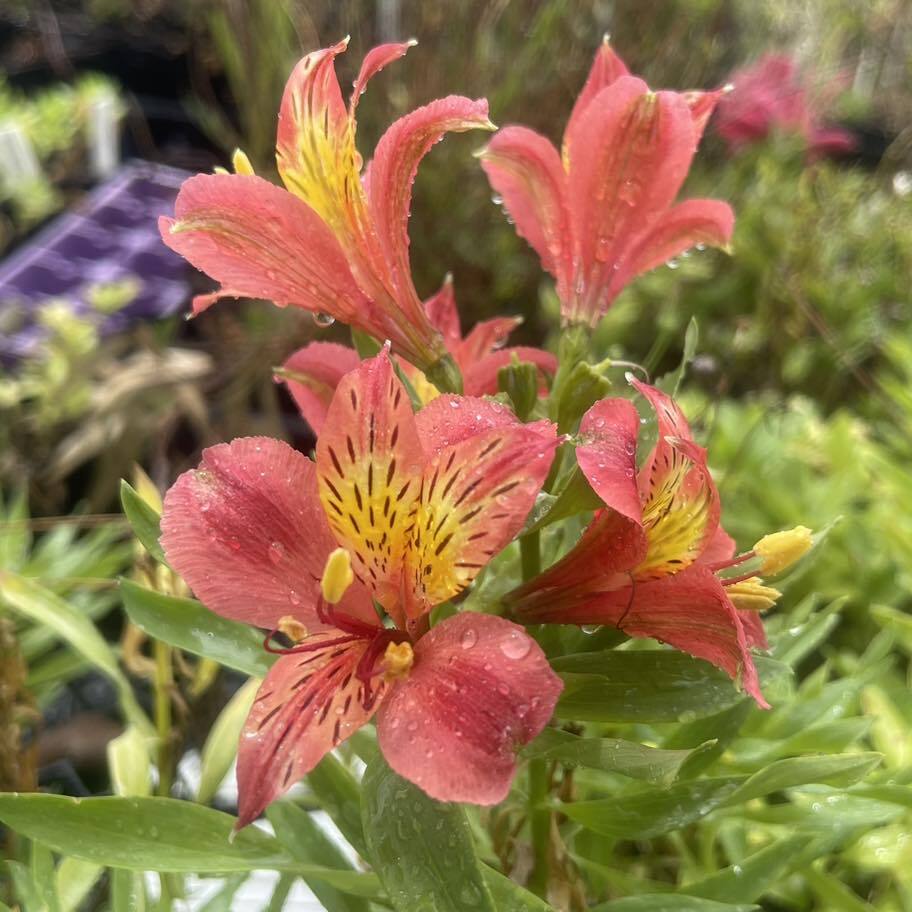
334	241
415	505
602	212
771	95
313	372
649	562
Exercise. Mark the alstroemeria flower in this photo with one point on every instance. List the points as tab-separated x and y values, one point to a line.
420	503
651	563
333	242
603	212
313	372
771	95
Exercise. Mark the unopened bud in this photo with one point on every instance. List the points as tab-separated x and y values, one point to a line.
781	549
337	576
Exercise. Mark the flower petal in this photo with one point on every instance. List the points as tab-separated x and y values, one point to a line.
688	610
315	146
374	61
369	463
485	336
606	69
441	311
526	172
247	532
702	105
606	455
480	378
448	420
306	705
680	501
312	374
689	224
393	169
260	241
629	153
475	496
479	689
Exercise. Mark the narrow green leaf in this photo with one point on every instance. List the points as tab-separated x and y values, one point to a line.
222	900
651	813
575	496
839	770
609	754
422	849
751	877
722	727
190	626
128	893
834	895
365	344
158	834
221	744
144	520
280	893
75	878
15	534
43	876
669	902
509	896
339	795
39	604
23	886
128	763
306	842
519	380
651	686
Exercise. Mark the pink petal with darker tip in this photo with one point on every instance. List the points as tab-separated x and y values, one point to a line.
480	378
312	374
306	705
441	311
484	336
247	532
480	688
259	241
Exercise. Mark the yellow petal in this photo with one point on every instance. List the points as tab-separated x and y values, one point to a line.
781	549
337	576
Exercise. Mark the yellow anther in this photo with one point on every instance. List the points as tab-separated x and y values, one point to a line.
782	549
337	576
241	163
292	628
752	595
397	661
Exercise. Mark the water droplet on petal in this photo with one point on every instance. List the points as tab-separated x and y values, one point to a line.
412	726
469	638
516	646
234	544
293	597
454	403
276	552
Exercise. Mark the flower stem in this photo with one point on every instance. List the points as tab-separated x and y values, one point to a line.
163	683
539	815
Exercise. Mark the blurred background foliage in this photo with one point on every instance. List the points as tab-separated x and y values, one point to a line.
800	386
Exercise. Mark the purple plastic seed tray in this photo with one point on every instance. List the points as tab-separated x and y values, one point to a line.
111	236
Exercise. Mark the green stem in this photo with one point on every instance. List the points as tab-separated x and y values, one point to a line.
539	779
163	684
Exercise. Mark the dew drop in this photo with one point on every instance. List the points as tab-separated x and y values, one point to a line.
589	629
323	319
497	200
412	726
469	638
454	403
672	263
516	646
276	552
234	544
293	597
503	689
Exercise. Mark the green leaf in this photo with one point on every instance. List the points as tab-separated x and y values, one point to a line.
128	893
43	876
839	770
41	605
15	534
509	896
422	849
144	520
752	876
339	795
654	685
519	380
128	763
609	754
576	496
833	894
669	902
158	834
75	878
190	626
365	344
897	621
221	744
651	813
222	900
306	842
583	387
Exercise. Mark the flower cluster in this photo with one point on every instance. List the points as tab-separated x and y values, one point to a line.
342	559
